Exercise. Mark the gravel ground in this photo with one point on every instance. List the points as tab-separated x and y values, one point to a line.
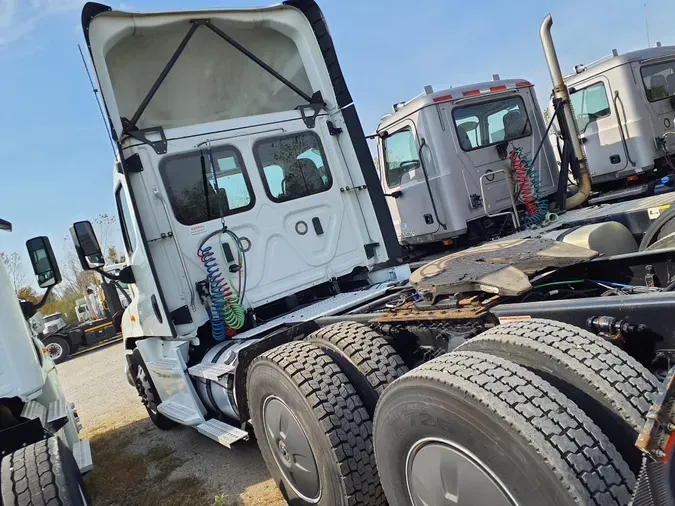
137	464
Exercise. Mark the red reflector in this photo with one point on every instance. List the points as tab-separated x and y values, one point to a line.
443	98
471	93
522	84
498	88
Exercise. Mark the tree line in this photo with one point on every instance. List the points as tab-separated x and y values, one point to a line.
75	280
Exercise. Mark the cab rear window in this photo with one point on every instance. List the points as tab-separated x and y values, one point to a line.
293	166
490	123
196	196
659	80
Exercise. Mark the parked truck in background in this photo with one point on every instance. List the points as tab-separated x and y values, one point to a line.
268	294
98	313
42	456
624	109
456	162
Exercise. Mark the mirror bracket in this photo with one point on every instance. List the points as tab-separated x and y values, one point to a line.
126	275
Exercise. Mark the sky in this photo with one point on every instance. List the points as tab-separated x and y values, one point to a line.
55	157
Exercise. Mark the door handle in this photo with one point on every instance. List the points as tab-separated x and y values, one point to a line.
317	226
396	194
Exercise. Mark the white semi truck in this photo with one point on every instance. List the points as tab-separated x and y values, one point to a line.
268	295
42	456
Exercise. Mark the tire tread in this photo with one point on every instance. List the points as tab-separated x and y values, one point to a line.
341	414
575	449
376	360
37	476
627	385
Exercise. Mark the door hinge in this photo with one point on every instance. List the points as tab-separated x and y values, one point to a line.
353	188
163	235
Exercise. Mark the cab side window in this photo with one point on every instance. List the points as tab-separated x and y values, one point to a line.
128	234
400	156
590	104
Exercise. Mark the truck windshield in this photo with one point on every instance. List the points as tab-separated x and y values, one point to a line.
489	123
52	317
659	80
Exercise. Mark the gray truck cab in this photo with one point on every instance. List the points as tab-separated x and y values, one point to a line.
625	111
445	157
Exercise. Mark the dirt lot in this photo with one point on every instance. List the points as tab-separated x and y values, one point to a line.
136	464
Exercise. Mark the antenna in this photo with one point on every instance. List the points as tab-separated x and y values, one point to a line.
649	42
98	102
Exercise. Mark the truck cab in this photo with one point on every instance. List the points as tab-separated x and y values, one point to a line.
445	164
37	424
54	322
625	112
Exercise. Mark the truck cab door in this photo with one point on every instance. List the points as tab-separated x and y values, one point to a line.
147	313
599	128
405	183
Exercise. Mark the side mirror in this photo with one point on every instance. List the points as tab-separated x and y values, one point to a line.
44	263
86	245
5	225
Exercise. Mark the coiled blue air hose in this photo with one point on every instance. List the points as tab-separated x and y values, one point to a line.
226	312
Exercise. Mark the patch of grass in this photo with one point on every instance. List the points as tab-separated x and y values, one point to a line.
123	476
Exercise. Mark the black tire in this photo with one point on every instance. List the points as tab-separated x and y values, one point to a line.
327	426
664	223
613	389
58	348
42	474
364	356
504	420
148	393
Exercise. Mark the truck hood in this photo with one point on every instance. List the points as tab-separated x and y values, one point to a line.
210	80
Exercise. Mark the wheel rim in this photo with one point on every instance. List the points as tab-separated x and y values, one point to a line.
291	449
55	351
440	473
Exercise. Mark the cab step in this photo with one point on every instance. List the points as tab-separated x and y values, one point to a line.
165	366
180	413
82	454
33	410
57	414
211	372
222	432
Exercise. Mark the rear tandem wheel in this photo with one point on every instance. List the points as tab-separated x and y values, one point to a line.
612	388
312	428
469	428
